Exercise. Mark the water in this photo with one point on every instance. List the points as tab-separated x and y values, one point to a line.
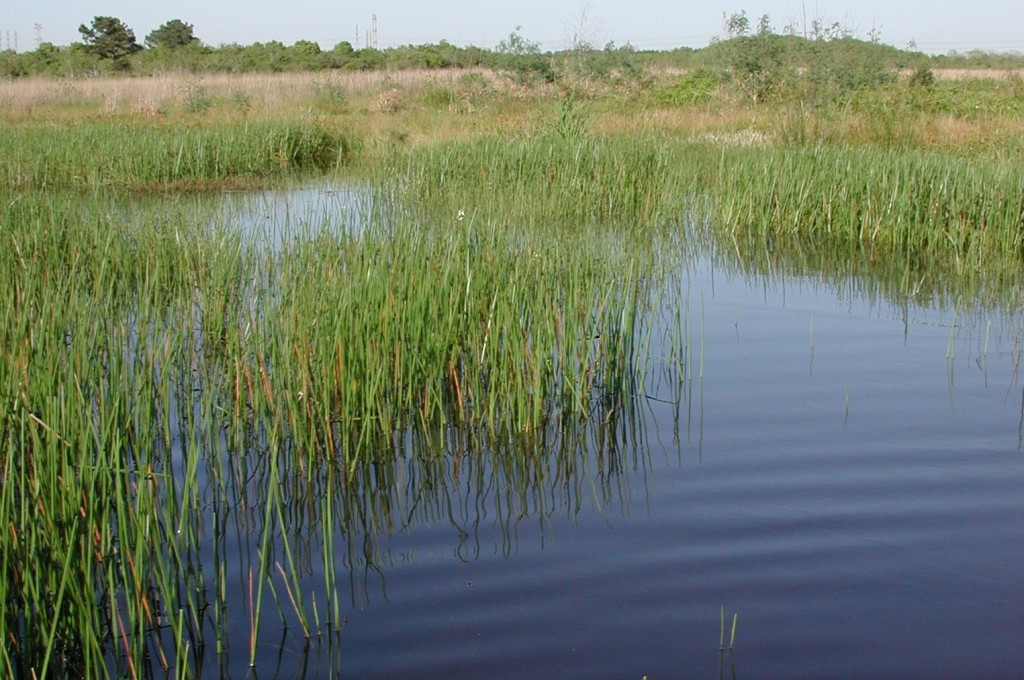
842	472
280	216
851	488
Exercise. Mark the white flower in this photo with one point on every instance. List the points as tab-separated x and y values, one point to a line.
461	215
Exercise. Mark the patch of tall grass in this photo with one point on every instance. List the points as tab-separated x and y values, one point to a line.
149	351
85	399
576	181
915	207
99	155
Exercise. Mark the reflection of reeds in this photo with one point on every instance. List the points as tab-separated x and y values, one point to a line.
732	634
722	648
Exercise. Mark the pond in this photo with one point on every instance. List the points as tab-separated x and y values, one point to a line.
837	467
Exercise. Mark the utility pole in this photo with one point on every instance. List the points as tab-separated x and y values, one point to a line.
369	35
39	34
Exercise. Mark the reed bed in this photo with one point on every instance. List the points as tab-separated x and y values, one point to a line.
562	177
922	209
94	484
456	316
100	155
161	366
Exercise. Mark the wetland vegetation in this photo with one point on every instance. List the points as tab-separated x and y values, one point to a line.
202	424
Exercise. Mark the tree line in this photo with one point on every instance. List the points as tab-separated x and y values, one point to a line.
109	45
754	54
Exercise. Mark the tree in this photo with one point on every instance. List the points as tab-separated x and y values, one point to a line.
110	38
305	54
737	25
523	59
173	34
758	64
343	49
341	54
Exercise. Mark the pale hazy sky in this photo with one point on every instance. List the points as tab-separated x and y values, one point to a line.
935	26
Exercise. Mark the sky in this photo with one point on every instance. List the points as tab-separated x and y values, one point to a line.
933	26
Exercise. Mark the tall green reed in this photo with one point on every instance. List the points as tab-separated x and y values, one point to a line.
894	202
94	155
88	469
159	365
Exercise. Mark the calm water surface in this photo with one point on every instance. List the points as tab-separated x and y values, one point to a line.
855	498
844	474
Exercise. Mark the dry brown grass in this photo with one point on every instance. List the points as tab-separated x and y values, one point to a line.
270	93
406	107
683	121
974	73
411	107
274	92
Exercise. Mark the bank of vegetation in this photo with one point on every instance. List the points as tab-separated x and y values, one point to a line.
109	45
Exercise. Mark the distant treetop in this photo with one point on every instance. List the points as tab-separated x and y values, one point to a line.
173	34
110	38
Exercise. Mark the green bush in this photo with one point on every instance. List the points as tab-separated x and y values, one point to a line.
330	96
694	88
523	60
438	96
197	99
922	77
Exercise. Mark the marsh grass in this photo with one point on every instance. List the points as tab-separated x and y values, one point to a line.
67	462
161	366
978	113
146	157
486	326
568	181
499	299
912	207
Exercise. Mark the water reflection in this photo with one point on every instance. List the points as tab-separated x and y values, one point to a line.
319	540
277	217
856	275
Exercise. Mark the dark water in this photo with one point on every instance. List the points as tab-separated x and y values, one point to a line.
849	482
843	473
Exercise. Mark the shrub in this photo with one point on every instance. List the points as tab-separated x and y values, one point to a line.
696	87
922	77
